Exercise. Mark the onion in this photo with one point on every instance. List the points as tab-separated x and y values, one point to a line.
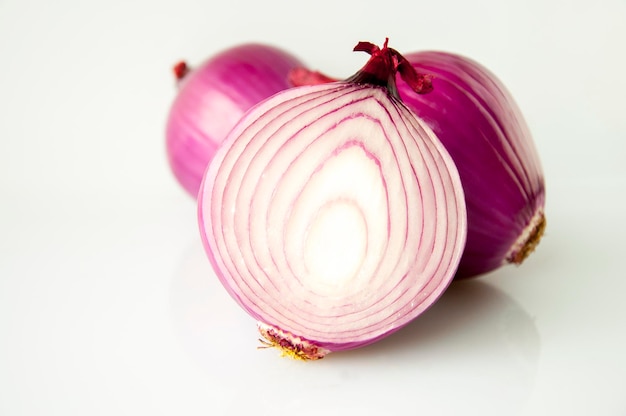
332	214
213	97
481	126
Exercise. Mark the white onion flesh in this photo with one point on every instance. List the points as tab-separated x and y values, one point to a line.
332	213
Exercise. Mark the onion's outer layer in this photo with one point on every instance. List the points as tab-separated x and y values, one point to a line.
213	97
333	216
482	128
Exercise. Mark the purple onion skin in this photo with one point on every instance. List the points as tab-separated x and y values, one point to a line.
213	97
482	128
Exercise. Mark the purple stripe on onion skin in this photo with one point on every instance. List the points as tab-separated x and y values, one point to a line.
340	168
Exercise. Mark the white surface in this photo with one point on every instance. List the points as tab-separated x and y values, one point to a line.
108	306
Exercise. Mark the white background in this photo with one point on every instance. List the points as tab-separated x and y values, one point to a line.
109	307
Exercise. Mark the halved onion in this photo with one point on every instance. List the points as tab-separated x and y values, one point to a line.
332	214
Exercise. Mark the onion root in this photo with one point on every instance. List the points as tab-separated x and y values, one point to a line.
528	240
289	345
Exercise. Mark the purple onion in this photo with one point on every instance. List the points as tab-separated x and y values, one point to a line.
213	97
332	214
481	126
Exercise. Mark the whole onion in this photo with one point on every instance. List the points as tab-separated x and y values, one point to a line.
213	97
482	128
332	214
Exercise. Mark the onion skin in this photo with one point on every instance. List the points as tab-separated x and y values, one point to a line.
483	129
332	214
213	97
481	126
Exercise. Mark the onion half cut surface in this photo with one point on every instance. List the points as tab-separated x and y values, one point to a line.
333	216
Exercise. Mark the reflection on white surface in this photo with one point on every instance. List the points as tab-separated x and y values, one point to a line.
474	349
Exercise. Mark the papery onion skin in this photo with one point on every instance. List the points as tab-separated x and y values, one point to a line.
213	97
481	126
483	129
332	215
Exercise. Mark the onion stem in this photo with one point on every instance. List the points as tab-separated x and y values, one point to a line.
181	69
